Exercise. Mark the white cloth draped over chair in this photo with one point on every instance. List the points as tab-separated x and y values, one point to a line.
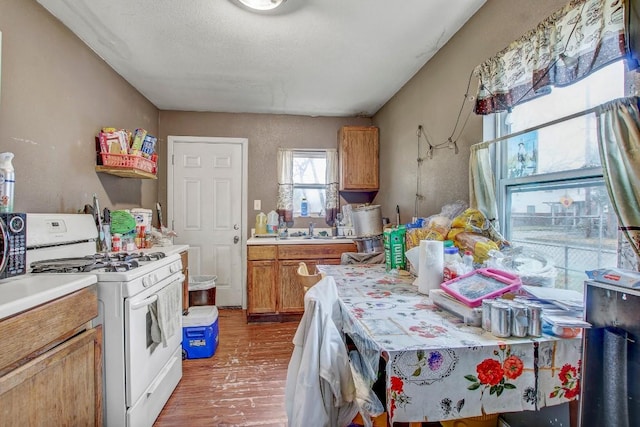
320	390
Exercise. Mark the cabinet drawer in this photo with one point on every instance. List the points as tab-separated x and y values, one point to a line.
34	331
314	251
262	252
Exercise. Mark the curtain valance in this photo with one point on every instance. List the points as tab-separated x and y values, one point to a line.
580	38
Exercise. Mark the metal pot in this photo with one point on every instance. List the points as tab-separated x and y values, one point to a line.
369	245
367	221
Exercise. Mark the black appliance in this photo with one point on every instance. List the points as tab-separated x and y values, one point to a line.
13	244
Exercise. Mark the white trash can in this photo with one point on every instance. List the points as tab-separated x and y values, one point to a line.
202	290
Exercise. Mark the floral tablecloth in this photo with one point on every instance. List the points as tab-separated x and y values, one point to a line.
437	367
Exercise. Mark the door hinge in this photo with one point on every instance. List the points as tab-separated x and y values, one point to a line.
173	160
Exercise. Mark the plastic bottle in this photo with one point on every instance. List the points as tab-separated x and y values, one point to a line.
272	222
261	223
283	232
304	207
7	182
467	262
452	263
116	243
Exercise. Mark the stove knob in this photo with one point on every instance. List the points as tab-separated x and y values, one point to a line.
174	268
146	281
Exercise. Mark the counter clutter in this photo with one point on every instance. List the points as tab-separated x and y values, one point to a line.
437	367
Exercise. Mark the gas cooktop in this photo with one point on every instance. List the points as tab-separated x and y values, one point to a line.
109	262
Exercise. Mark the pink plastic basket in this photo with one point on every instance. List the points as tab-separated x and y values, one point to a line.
128	161
472	288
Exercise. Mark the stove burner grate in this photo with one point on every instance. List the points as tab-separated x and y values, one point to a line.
111	262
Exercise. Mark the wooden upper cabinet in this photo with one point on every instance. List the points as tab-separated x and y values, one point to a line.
359	153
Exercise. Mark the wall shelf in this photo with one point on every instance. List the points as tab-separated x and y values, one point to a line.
125	172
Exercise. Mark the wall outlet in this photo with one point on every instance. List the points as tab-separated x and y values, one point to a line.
257	205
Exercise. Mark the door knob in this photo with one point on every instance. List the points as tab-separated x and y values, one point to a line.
236	239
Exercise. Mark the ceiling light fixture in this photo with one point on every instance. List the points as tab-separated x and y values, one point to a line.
262	5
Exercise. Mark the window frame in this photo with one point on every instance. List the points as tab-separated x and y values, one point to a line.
495	127
308	153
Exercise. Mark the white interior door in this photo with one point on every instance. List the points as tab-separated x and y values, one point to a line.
206	200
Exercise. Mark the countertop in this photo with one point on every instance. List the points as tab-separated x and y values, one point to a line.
298	241
318	239
22	293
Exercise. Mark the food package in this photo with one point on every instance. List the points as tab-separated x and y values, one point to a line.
414	235
474	221
440	224
479	245
149	145
138	138
394	248
471	220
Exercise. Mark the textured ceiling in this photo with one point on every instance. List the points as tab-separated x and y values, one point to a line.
312	57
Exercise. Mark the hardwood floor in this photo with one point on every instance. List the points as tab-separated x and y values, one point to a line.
242	384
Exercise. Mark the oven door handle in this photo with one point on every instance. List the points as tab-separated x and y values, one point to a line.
145	302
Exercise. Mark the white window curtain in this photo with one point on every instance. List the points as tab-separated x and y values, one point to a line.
482	194
619	144
332	202
285	185
573	42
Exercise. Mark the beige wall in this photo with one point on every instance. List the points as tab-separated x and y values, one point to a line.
56	94
432	99
265	132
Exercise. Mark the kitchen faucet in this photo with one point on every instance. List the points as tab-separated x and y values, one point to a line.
310	229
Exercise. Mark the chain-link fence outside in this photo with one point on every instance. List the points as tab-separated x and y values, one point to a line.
572	260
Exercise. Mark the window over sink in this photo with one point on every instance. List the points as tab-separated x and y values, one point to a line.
309	181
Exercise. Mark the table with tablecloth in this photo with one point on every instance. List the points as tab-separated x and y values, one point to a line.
438	368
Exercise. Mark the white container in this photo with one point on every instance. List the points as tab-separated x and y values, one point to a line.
7	182
367	221
272	222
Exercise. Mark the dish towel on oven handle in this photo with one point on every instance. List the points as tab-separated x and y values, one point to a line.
163	314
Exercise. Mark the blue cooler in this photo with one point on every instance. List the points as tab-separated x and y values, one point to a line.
200	332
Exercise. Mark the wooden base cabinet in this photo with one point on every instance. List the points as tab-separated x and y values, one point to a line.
51	364
291	293
262	276
273	290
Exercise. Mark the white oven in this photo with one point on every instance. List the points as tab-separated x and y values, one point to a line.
145	358
139	374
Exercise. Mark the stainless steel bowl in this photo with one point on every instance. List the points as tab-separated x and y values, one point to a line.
369	244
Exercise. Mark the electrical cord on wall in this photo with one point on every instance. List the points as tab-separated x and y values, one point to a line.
451	142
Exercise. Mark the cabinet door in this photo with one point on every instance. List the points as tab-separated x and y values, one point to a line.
359	158
61	387
291	296
261	286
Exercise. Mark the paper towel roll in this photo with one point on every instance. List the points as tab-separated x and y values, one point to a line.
430	265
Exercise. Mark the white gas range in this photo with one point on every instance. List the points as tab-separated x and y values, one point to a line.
140	308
